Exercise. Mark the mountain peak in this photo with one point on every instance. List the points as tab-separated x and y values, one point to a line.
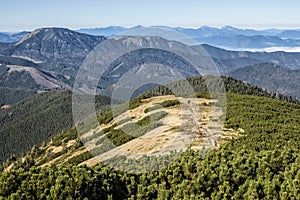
27	36
56	45
138	26
229	28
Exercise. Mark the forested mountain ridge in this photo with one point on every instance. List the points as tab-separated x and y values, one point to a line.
262	163
9	96
240	59
37	120
230	85
273	77
16	121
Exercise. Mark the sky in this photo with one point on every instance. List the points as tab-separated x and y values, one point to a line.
17	15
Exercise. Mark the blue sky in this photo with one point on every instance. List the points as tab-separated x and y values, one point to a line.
30	14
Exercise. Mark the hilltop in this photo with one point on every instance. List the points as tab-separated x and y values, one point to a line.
263	142
40	110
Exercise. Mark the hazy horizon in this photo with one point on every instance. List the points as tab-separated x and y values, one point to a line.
186	27
20	15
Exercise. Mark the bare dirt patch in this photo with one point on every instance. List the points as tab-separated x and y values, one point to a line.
5	106
188	125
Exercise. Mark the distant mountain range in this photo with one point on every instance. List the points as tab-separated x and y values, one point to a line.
202	32
227	37
12	37
49	58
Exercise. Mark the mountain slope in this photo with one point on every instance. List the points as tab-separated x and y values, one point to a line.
262	163
18	75
28	78
151	105
141	60
271	77
54	43
13	96
45	59
289	60
8	60
6	48
47	114
37	120
56	49
12	37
